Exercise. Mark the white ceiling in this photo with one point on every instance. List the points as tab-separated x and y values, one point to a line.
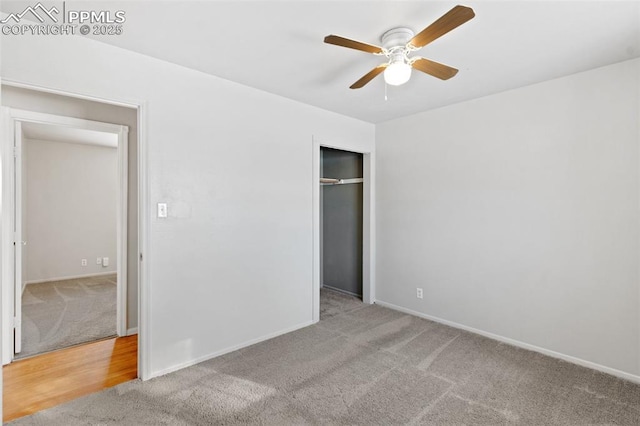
277	46
50	132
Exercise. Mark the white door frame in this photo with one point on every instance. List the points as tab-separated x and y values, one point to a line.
368	222
14	118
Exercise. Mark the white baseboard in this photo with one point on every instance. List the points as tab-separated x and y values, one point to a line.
584	363
73	277
132	331
227	350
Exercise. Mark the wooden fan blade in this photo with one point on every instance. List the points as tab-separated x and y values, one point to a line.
443	72
447	22
352	44
368	76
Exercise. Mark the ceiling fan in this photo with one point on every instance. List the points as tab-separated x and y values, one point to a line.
398	43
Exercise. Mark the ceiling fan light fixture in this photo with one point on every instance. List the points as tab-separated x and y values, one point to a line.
397	73
398	43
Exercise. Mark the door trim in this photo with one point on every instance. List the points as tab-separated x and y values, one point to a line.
368	221
13	116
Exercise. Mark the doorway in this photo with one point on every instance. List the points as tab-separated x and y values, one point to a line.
341	221
70	372
68	282
359	176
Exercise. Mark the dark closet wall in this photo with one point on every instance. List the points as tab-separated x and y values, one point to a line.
342	222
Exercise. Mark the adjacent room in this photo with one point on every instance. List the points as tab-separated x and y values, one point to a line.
69	197
392	212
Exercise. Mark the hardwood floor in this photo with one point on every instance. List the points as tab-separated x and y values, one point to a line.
33	384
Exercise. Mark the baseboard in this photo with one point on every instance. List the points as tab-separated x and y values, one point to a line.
73	277
227	350
578	361
132	331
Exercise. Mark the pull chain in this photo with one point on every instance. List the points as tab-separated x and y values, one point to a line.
385	91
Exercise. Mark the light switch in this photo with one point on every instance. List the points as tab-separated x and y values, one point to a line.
162	210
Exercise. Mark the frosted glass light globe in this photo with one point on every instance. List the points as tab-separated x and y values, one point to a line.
397	73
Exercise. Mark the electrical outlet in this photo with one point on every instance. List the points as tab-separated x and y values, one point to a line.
419	293
105	261
98	261
83	262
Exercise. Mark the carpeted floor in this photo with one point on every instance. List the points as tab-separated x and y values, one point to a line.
365	365
59	314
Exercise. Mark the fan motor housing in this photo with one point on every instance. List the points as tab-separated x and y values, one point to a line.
396	37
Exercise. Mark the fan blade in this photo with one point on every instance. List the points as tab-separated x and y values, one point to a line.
352	44
447	22
443	72
368	76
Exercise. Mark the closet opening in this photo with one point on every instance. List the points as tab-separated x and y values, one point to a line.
341	222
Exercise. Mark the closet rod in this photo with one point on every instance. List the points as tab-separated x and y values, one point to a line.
330	181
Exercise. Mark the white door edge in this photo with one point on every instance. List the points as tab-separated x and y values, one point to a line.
18	238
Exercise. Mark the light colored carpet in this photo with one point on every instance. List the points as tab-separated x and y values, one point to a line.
59	314
365	365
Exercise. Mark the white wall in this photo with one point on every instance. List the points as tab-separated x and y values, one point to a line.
518	214
233	262
70	212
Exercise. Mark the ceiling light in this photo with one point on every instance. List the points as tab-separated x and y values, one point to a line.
397	73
